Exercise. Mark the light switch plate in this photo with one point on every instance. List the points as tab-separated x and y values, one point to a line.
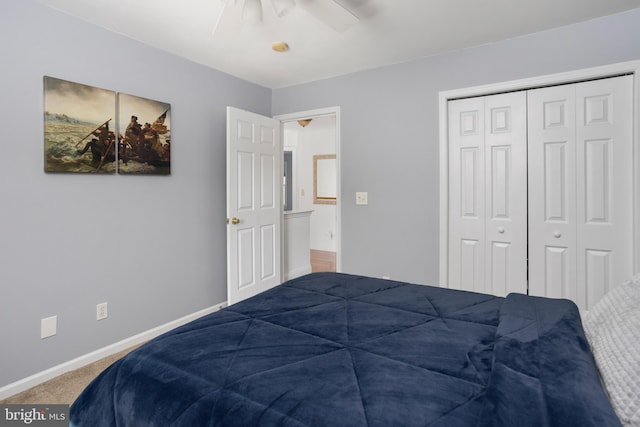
362	198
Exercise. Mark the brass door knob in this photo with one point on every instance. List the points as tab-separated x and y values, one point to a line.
235	221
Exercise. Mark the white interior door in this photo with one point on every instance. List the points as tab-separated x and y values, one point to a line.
604	167
254	168
506	193
488	202
466	194
552	192
580	192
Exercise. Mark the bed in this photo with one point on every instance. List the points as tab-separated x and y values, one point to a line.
331	349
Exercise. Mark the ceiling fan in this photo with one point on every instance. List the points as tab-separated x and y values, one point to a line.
235	12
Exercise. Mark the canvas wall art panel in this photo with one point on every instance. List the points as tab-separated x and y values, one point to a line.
144	130
79	128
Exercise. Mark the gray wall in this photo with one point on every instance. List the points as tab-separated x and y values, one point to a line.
390	134
154	248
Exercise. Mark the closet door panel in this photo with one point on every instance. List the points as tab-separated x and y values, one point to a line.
466	195
604	186
487	194
552	196
505	193
556	280
502	272
554	189
469	264
470	193
580	194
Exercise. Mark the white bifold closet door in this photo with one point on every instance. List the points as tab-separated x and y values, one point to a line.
540	191
580	189
488	194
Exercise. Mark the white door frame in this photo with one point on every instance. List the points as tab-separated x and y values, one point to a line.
310	114
631	67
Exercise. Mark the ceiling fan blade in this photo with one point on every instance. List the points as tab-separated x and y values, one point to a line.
331	13
229	22
283	7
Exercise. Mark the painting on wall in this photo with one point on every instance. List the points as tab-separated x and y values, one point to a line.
144	131
78	123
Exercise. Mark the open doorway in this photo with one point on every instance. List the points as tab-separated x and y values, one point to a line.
310	185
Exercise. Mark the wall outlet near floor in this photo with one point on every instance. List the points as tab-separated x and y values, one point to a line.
48	327
362	198
101	311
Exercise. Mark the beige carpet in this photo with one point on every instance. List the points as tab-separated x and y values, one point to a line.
65	388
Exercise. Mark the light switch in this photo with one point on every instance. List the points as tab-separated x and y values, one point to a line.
362	198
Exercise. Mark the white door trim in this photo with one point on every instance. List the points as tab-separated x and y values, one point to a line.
631	67
323	112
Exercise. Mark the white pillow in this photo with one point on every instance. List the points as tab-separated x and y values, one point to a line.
612	328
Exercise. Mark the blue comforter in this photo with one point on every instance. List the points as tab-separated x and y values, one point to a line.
340	350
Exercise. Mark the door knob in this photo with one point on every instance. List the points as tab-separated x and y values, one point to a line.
557	234
235	221
501	230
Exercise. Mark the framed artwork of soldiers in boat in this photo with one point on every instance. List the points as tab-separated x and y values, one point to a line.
144	133
83	135
79	123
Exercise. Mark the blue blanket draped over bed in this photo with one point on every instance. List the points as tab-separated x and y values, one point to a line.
340	350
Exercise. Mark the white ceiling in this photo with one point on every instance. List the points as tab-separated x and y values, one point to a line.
388	32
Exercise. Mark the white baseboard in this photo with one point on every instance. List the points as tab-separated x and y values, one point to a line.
40	377
297	272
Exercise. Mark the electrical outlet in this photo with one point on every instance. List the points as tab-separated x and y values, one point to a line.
48	327
362	198
101	311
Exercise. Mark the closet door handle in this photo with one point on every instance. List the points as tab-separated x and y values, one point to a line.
501	230
557	234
